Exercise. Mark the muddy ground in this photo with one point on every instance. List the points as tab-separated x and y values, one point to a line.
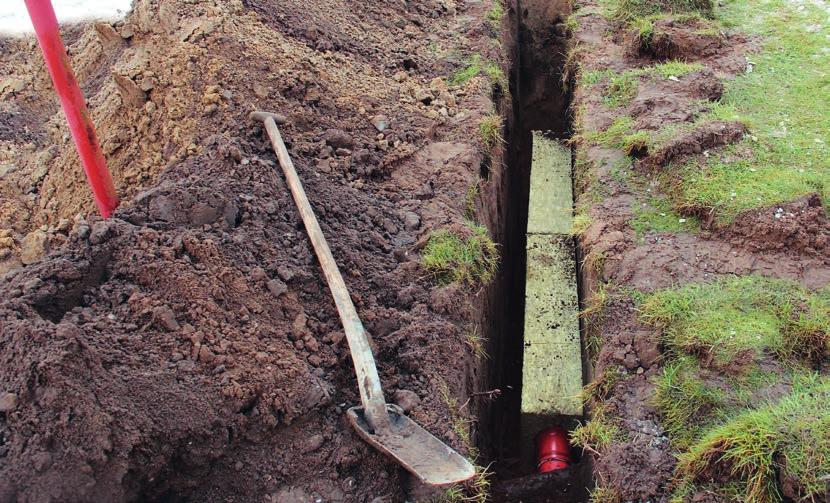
617	260
188	349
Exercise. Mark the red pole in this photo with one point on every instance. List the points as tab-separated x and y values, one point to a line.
74	106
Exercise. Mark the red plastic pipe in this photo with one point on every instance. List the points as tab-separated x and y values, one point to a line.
553	450
74	105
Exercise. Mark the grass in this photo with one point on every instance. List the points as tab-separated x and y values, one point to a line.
627	10
496	13
474	67
592	315
476	490
791	436
602	386
581	222
476	344
470	259
470	201
674	69
685	401
737	396
596	434
783	100
471	69
657	216
490	129
604	494
621	90
749	315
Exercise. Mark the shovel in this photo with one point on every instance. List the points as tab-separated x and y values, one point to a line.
381	424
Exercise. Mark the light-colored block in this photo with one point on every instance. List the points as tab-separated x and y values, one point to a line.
551	190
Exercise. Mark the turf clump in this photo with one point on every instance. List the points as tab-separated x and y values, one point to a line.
468	257
739	396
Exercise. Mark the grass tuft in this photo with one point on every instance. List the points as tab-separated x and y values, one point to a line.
496	13
471	259
627	10
791	436
621	90
656	215
596	434
490	129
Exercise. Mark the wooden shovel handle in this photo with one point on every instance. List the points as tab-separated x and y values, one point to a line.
368	381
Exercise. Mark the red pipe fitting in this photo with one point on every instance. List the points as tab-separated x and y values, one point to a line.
553	450
74	105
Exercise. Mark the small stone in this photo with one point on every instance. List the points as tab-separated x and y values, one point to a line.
338	138
8	402
285	273
411	221
239	465
33	247
277	287
206	355
258	274
381	122
343	152
260	91
313	443
166	318
400	76
406	399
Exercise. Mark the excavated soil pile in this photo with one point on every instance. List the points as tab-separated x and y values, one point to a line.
188	347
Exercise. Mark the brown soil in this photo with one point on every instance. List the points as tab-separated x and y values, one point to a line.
188	348
789	240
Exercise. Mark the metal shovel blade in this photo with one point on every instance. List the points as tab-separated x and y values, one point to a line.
415	448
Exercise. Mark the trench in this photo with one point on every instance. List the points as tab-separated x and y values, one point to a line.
537	45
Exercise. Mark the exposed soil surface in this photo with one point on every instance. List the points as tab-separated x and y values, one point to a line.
188	348
786	241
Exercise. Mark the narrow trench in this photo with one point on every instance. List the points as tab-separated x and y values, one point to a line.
537	43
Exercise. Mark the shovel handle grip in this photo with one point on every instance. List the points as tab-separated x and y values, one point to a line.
371	393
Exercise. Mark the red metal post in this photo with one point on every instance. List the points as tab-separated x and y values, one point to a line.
74	106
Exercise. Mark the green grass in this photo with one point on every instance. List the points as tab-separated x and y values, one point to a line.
621	90
685	401
604	494
490	128
474	67
471	69
737	395
784	102
581	223
744	316
596	434
791	436
627	10
657	216
471	259
496	13
675	69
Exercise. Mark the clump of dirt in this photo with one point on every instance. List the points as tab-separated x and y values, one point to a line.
799	226
706	136
188	348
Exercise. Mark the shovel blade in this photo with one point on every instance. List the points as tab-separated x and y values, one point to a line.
414	448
